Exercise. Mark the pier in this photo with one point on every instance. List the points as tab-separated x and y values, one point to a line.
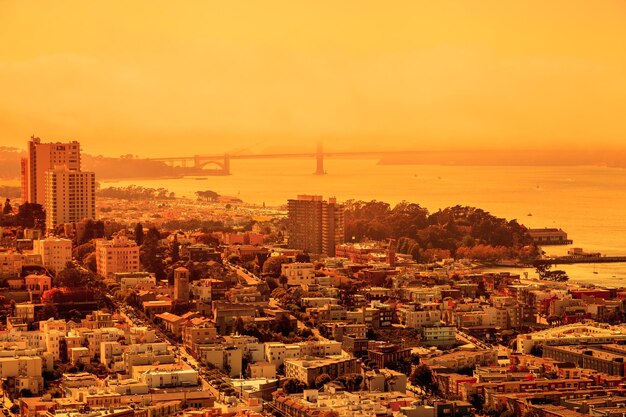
582	260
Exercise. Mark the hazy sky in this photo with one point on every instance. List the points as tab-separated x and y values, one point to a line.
174	78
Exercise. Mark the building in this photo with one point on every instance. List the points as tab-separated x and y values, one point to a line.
383	353
571	334
607	359
181	284
165	376
346	404
40	158
116	255
438	335
549	236
55	252
227	358
315	225
306	370
70	196
136	280
298	273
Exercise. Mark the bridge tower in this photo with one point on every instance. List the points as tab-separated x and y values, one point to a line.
226	168
196	162
319	157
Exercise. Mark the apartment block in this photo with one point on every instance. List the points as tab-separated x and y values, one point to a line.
116	255
55	252
70	196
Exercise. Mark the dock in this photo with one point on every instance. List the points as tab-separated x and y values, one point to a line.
582	260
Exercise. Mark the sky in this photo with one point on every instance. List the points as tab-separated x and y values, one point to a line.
162	78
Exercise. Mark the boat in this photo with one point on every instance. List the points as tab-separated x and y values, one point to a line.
529	214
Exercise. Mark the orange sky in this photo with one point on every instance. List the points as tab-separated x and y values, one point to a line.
153	77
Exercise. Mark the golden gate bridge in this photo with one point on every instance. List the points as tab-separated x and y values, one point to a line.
222	162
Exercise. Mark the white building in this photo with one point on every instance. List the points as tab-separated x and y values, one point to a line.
55	252
165	376
116	255
136	280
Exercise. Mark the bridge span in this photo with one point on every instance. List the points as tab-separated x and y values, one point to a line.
222	162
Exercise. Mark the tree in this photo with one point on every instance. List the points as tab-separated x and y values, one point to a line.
91	263
477	401
234	259
273	265
82	251
7	209
139	234
322	380
303	257
283	280
70	277
422	376
150	254
31	215
74	315
238	325
293	386
49	311
207	195
175	250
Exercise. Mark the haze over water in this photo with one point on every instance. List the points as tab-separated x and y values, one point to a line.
587	202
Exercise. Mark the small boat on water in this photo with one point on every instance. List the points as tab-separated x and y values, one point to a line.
529	214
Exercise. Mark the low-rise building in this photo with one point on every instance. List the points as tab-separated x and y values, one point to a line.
306	370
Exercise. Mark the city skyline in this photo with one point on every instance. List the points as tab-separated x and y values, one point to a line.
445	75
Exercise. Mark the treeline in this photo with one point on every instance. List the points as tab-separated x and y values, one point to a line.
28	216
136	192
459	231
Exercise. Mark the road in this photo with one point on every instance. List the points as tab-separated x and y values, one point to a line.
137	318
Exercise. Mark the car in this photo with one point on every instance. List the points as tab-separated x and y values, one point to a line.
5	411
185	359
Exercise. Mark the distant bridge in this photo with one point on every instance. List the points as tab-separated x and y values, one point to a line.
222	162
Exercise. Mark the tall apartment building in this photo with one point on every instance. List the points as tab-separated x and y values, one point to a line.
55	252
70	196
315	225
42	157
116	255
